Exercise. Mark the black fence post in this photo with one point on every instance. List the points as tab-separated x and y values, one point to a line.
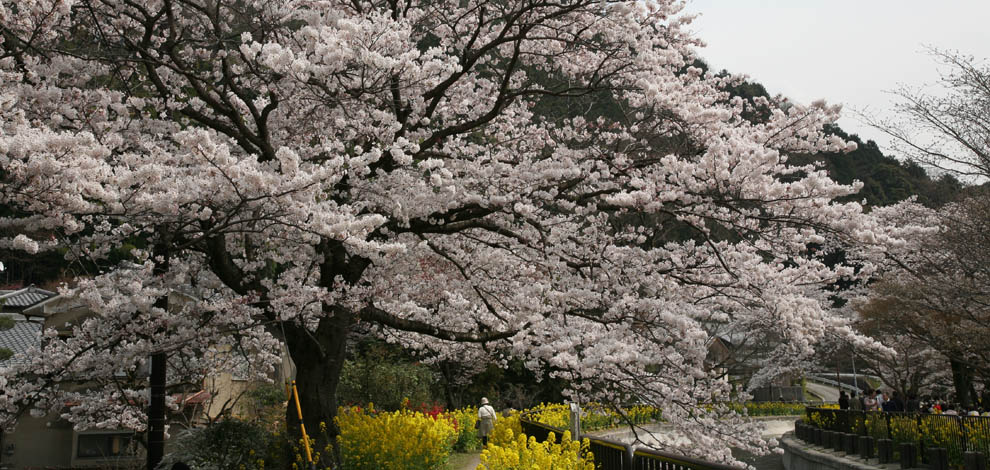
850	441
974	461
885	451
838	441
866	447
938	458
909	456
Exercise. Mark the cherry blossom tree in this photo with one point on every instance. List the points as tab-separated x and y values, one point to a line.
933	290
917	367
938	283
439	172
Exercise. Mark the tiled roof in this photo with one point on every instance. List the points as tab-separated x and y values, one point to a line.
23	298
24	336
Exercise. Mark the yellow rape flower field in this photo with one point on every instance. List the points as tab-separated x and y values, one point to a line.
401	439
415	440
510	449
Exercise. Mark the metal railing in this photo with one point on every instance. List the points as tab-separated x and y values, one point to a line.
828	381
614	455
956	433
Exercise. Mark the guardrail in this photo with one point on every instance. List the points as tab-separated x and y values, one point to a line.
930	438
614	455
827	381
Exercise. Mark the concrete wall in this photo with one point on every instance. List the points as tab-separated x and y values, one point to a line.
49	442
38	442
800	455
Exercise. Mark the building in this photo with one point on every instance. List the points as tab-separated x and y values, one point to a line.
52	442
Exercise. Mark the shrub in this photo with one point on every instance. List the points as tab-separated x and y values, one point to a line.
506	429
594	416
400	439
225	445
382	375
771	408
467	435
522	453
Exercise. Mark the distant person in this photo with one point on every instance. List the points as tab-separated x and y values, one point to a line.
912	405
870	402
898	400
881	399
888	406
486	421
843	400
936	406
855	402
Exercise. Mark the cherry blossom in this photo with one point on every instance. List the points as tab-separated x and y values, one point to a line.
555	182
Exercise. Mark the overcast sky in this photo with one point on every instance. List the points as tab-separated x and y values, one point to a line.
844	51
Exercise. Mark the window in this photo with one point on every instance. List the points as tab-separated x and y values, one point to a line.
106	445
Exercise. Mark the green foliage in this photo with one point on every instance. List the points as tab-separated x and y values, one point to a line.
226	445
381	374
267	403
5	354
885	179
6	322
464	420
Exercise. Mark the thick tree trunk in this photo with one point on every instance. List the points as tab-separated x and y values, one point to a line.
962	380
319	357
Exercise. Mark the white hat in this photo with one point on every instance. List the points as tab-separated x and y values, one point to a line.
484	401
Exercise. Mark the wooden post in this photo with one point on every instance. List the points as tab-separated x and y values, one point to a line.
575	421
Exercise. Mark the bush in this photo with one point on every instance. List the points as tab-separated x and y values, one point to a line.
382	376
225	445
772	408
467	435
511	451
594	416
401	439
506	429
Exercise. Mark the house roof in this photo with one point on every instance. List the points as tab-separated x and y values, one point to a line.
197	398
17	300
24	336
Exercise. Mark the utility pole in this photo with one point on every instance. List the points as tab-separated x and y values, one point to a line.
855	382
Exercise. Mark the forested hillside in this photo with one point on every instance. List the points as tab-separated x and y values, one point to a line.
886	180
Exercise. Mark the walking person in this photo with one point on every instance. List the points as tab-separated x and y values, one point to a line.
486	421
843	400
855	402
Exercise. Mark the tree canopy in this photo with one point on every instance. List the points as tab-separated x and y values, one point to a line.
292	171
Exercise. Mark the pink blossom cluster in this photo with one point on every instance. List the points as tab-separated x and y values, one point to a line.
315	168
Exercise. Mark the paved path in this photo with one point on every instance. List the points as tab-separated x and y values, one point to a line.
473	462
826	392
